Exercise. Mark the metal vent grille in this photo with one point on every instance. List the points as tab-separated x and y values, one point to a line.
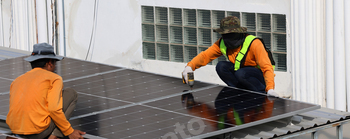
204	18
237	14
217	16
190	17
176	35
162	33
280	42
190	36
176	53
264	22
162	52
216	36
267	39
279	23
248	20
175	16
147	14
204	37
190	53
148	33
161	15
281	61
252	33
149	51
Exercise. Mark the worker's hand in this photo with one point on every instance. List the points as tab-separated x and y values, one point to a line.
272	92
76	134
184	73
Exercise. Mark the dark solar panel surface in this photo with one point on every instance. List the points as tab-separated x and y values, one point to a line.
10	53
10	69
90	103
142	122
4	105
130	85
122	103
5	85
68	68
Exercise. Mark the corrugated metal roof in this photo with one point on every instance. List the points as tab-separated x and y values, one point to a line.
295	124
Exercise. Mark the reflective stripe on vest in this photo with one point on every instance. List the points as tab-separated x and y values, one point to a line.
223	48
248	40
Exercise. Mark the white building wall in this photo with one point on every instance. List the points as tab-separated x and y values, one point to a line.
308	46
18	28
118	36
318	68
338	24
321	66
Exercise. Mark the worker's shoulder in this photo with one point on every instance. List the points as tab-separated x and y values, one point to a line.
53	75
257	41
257	44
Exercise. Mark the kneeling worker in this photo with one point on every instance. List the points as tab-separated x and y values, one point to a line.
39	108
248	66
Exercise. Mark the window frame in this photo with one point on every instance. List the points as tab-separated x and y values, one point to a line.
192	44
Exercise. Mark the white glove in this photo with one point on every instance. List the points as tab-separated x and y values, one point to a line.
184	73
272	92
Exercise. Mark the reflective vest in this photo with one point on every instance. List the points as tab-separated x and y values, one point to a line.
240	58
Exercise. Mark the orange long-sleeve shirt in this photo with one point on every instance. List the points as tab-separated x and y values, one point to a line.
35	100
255	56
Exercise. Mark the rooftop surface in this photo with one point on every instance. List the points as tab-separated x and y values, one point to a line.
116	102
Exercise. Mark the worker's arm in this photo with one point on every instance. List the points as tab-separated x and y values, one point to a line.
263	60
206	56
54	100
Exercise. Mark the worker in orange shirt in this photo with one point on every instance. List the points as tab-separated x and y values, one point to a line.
39	108
248	66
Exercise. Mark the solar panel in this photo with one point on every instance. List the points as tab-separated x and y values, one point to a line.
236	108
10	69
131	86
213	111
4	85
89	104
142	122
9	54
68	68
86	104
4	105
115	102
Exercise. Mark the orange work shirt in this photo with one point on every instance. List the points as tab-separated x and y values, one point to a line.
35	100
256	56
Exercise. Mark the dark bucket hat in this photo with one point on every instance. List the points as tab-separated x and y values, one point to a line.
230	24
43	50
